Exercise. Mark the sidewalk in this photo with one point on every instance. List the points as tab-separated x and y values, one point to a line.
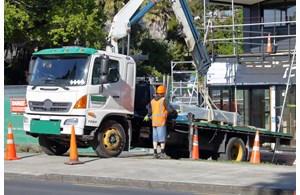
140	170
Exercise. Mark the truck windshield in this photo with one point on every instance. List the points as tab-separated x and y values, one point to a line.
60	71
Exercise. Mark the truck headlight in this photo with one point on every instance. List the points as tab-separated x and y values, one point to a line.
71	121
25	120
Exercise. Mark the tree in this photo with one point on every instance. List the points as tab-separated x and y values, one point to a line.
112	7
30	24
16	23
78	23
162	42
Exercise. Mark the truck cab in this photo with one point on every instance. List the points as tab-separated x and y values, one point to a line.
78	86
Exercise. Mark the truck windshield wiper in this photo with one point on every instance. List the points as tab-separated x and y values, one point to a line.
52	82
60	85
38	84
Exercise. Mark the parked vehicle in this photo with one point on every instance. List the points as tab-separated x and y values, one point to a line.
97	92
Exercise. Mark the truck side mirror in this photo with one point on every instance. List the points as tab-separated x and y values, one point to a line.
103	78
104	65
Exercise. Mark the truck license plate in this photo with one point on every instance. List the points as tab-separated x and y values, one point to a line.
45	127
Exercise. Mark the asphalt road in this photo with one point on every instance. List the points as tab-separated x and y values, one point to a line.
35	187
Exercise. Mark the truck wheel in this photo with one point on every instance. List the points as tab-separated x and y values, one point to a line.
235	150
109	140
52	147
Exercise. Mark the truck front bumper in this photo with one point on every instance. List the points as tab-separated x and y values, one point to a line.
42	124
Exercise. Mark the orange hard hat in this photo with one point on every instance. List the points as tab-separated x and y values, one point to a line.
161	89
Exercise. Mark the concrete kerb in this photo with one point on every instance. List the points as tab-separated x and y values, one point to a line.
158	185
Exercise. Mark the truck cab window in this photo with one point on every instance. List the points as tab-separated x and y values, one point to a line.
59	70
113	73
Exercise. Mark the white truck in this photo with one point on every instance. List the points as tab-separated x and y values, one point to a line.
97	92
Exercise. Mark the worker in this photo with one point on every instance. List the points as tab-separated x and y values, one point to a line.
159	108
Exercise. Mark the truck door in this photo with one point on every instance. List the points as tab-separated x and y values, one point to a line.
104	94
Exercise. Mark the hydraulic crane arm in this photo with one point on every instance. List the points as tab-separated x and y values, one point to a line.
122	22
127	16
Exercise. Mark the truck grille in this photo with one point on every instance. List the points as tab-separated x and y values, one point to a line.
49	106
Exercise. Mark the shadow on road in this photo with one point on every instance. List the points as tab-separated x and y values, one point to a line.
283	185
30	155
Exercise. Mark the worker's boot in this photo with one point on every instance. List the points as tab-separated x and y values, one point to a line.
155	155
163	156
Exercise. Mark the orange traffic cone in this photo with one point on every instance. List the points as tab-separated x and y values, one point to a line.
195	150
73	160
269	44
10	146
255	155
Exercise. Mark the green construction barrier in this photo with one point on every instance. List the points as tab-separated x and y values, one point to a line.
16	120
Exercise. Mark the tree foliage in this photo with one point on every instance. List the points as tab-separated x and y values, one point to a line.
35	24
16	23
227	47
79	23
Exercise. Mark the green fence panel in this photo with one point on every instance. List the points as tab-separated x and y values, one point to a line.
16	120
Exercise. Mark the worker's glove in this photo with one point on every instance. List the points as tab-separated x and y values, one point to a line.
146	118
178	111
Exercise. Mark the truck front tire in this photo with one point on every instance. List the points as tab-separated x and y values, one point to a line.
110	140
52	147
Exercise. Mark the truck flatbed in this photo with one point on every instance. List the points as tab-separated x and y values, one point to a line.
218	141
240	129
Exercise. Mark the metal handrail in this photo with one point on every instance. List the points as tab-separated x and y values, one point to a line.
257	37
251	24
252	36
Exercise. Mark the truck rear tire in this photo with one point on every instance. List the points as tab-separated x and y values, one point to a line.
110	140
235	150
52	147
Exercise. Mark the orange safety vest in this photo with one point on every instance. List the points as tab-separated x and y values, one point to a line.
159	112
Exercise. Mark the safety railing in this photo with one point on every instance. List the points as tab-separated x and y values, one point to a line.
252	39
184	85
